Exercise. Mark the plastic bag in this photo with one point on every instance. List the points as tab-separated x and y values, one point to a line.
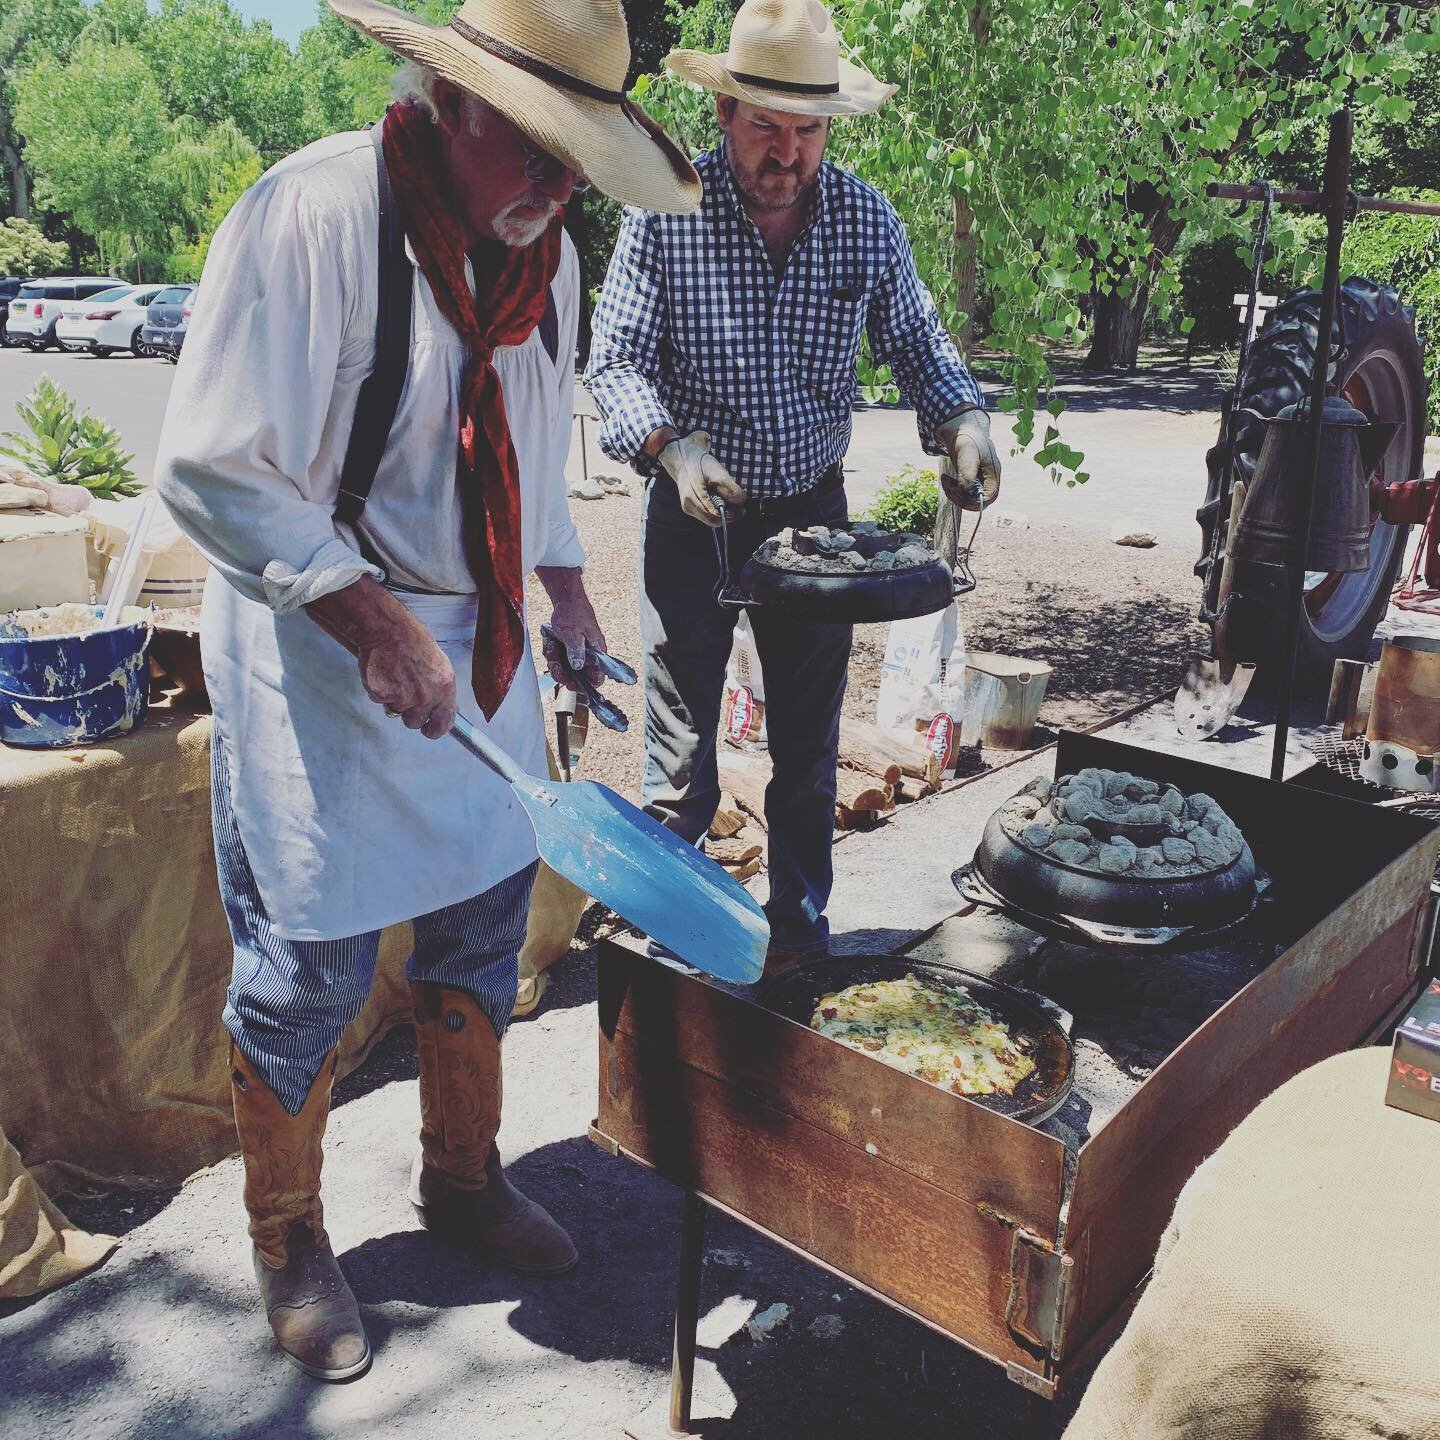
922	683
742	718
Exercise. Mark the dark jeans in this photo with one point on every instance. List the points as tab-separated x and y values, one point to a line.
686	637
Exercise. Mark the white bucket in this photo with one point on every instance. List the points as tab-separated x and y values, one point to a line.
176	577
1003	695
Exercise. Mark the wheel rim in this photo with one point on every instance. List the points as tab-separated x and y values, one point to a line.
1335	602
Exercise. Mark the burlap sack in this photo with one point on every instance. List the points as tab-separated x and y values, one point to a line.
116	954
1293	1296
39	1247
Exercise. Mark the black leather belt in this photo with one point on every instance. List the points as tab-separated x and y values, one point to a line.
831	478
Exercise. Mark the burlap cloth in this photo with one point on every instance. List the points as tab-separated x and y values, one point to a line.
115	956
39	1248
1293	1293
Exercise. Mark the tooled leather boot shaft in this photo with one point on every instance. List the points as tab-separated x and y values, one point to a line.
460	1082
282	1154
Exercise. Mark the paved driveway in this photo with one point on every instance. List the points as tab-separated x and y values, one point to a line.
1144	438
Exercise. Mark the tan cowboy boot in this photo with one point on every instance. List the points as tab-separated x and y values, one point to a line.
458	1186
310	1307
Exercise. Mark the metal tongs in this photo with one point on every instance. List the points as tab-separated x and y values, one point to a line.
604	710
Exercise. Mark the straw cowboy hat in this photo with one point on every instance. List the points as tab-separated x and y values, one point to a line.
557	71
784	55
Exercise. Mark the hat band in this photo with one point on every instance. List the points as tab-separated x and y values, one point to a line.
503	50
792	87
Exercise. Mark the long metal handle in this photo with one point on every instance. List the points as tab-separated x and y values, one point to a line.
1319	199
485	749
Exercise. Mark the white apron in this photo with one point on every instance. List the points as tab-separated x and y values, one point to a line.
350	821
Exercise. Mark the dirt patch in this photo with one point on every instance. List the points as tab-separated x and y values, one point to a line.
1116	624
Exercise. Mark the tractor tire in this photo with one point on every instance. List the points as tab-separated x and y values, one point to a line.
1379	370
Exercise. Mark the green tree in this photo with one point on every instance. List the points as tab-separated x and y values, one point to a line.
29	29
95	132
214	66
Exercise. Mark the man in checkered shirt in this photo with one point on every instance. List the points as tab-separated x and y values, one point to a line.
723	365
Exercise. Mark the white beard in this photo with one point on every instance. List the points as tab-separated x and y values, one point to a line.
517	225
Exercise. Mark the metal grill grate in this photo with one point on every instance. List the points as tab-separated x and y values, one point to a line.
1343	756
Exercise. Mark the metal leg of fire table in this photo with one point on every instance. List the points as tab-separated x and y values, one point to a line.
675	1420
687	1312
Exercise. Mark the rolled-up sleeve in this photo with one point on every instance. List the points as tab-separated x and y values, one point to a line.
906	334
239	464
625	340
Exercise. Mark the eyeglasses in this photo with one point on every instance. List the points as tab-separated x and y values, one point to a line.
545	168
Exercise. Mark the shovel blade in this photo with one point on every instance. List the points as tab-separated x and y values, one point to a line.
1210	693
649	877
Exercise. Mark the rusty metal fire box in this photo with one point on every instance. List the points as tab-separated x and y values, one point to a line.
981	1227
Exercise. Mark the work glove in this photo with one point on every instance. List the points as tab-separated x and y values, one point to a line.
698	476
976	466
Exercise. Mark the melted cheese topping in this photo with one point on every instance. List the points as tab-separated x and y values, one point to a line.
940	1035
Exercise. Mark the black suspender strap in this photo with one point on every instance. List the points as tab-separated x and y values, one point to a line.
550	326
379	397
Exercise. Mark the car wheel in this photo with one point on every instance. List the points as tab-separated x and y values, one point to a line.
138	348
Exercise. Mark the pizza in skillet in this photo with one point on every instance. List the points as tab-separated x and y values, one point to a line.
935	1032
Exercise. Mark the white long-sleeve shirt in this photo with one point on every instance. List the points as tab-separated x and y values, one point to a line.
348	820
260	415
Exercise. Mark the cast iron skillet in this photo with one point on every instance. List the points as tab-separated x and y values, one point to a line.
1035	1098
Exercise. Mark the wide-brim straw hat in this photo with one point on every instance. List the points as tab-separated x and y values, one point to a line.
784	55
556	71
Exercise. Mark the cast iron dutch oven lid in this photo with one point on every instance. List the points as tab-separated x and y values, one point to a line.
1034	1099
853	598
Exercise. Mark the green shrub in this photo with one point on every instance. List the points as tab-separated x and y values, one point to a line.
68	447
1404	251
908	500
24	251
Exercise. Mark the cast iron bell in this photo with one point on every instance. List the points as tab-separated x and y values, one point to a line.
1351	446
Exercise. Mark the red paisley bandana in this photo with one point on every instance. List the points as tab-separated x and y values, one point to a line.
508	303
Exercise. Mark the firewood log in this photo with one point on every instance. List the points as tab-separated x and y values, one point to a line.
745	871
729	819
855	790
909	790
734	852
746	782
913	761
855	756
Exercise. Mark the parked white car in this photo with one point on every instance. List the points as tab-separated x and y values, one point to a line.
107	322
35	310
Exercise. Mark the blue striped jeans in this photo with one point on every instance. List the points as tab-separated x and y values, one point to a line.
290	1001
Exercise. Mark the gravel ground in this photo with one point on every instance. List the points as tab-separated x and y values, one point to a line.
1115	623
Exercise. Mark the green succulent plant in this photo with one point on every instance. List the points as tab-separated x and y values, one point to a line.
69	447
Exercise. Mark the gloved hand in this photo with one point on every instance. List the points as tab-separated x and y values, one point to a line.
967	441
697	475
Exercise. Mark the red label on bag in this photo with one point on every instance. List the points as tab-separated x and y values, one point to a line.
940	739
740	712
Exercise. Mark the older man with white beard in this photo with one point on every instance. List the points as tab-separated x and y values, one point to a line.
367	436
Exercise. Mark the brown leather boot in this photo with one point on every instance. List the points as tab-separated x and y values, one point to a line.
458	1185
310	1307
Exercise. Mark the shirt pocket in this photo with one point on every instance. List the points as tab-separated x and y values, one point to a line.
824	332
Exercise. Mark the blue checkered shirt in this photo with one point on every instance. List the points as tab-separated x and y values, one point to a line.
694	330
